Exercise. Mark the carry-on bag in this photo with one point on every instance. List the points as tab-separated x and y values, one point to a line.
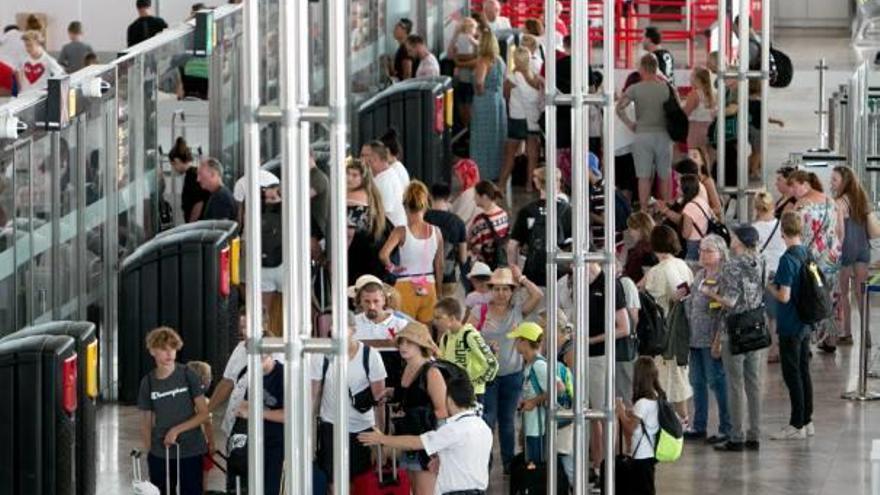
382	480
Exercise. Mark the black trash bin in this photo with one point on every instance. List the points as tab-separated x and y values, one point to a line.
86	346
421	111
38	399
182	281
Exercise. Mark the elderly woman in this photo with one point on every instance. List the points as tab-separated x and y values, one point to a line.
740	289
704	316
503	314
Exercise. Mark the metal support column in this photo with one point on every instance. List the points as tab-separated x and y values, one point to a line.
580	256
861	393
253	245
822	112
742	115
720	155
295	115
765	85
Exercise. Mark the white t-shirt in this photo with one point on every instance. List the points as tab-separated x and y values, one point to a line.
238	361
647	411
388	183
500	22
631	293
428	67
239	191
401	171
357	381
366	329
775	248
463	445
476	299
525	101
12	51
36	72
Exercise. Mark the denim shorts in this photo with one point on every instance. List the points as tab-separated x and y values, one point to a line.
414	460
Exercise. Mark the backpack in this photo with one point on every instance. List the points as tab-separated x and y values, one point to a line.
362	401
494	254
670	437
536	248
270	228
713	226
781	69
813	303
564	398
651	330
677	123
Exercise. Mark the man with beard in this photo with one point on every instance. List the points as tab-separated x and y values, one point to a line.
376	325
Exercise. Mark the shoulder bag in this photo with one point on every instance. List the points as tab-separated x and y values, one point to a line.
747	331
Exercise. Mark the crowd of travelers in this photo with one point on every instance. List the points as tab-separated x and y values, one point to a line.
447	345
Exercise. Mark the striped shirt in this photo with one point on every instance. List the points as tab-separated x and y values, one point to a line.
480	237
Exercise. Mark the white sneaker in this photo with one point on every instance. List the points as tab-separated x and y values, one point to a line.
810	429
789	433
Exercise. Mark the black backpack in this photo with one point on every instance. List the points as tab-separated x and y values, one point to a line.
494	254
813	303
677	123
651	329
536	250
713	226
781	69
271	236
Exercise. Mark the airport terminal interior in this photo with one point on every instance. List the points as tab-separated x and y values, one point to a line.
704	312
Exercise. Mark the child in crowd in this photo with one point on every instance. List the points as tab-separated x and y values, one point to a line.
529	339
463	345
634	421
273	423
462	443
481	295
203	371
34	71
174	408
73	54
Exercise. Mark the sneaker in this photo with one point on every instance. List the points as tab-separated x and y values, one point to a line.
789	433
753	445
716	439
730	447
694	435
809	429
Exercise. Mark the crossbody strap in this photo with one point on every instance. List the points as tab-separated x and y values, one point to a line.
708	218
770	237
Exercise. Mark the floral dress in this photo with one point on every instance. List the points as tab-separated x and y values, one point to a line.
820	234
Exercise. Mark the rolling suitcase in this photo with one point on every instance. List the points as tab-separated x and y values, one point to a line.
382	481
142	487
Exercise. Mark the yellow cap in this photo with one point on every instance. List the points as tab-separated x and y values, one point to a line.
527	330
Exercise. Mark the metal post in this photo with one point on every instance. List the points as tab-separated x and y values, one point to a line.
579	219
337	73
609	266
861	393
551	294
822	112
720	158
765	81
742	134
253	248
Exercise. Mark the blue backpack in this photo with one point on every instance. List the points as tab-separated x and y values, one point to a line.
563	398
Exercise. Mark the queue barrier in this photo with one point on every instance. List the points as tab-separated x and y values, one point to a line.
85	340
180	279
38	406
420	110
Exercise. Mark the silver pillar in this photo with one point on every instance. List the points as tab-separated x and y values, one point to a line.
720	158
822	111
765	83
551	293
251	95
337	77
742	101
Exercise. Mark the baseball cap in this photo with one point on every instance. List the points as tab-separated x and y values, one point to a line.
480	269
527	330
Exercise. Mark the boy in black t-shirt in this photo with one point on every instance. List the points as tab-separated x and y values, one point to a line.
653	44
173	408
273	423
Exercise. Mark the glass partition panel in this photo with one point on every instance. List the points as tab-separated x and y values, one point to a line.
66	245
42	237
7	243
23	220
95	211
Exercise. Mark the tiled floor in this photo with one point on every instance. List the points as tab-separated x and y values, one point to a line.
834	462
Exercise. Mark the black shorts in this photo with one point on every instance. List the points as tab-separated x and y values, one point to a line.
359	455
625	173
517	129
463	92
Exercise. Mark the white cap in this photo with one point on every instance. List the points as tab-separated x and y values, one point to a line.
480	269
361	282
268	179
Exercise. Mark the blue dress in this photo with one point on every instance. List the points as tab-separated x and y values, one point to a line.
489	124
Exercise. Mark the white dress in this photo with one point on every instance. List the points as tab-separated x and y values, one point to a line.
661	282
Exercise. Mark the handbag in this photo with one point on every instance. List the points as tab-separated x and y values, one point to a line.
747	331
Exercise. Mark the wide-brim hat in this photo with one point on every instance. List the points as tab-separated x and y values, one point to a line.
502	276
362	281
418	334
